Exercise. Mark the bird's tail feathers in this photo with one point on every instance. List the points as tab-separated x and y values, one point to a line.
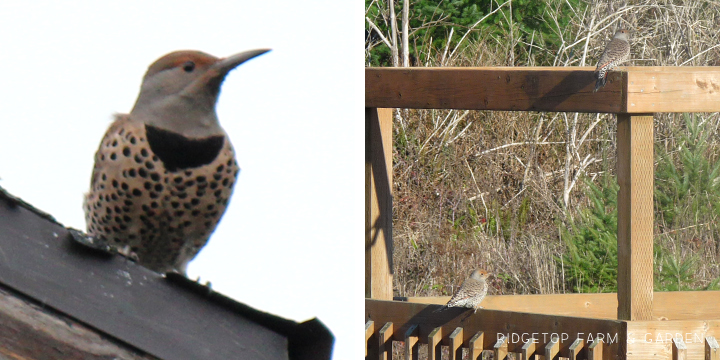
600	83
443	308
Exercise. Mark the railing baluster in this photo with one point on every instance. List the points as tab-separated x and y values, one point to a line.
456	340
528	349
385	341
711	348
501	348
575	349
434	349
411	343
679	350
369	331
476	345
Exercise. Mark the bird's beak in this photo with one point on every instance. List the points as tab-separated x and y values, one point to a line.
215	75
224	66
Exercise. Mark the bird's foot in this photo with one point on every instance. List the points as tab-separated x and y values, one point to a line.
91	242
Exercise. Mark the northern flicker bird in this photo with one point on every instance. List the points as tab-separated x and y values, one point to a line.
617	51
471	292
164	172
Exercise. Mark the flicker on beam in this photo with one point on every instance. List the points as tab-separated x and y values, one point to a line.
471	293
616	52
164	173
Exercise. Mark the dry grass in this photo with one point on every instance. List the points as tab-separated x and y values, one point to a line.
491	189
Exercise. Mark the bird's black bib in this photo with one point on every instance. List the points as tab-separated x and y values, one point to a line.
178	152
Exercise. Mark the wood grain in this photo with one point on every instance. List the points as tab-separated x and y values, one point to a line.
653	339
673	89
635	216
496	88
378	204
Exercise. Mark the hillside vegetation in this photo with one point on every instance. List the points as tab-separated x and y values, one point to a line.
532	196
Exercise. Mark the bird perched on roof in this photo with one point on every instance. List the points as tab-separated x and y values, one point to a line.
617	51
471	292
164	172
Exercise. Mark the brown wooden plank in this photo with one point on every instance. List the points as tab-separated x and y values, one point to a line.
496	88
679	351
635	216
434	340
500	349
476	345
385	336
674	89
528	349
653	339
369	332
378	204
576	350
495	323
455	343
667	305
411	343
711	348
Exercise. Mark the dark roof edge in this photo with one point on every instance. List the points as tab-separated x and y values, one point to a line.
307	340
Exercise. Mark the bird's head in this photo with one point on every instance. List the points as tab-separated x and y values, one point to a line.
622	34
180	90
480	274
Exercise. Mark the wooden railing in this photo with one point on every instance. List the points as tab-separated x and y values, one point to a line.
634	94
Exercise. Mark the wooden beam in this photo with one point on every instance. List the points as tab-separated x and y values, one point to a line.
411	343
456	341
667	305
629	89
711	348
476	345
635	216
385	341
673	90
496	88
378	204
679	351
495	324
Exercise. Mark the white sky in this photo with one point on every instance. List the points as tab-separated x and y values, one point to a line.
290	242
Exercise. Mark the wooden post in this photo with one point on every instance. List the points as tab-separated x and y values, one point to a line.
378	204
635	174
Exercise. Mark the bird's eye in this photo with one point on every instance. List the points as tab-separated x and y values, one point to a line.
189	66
